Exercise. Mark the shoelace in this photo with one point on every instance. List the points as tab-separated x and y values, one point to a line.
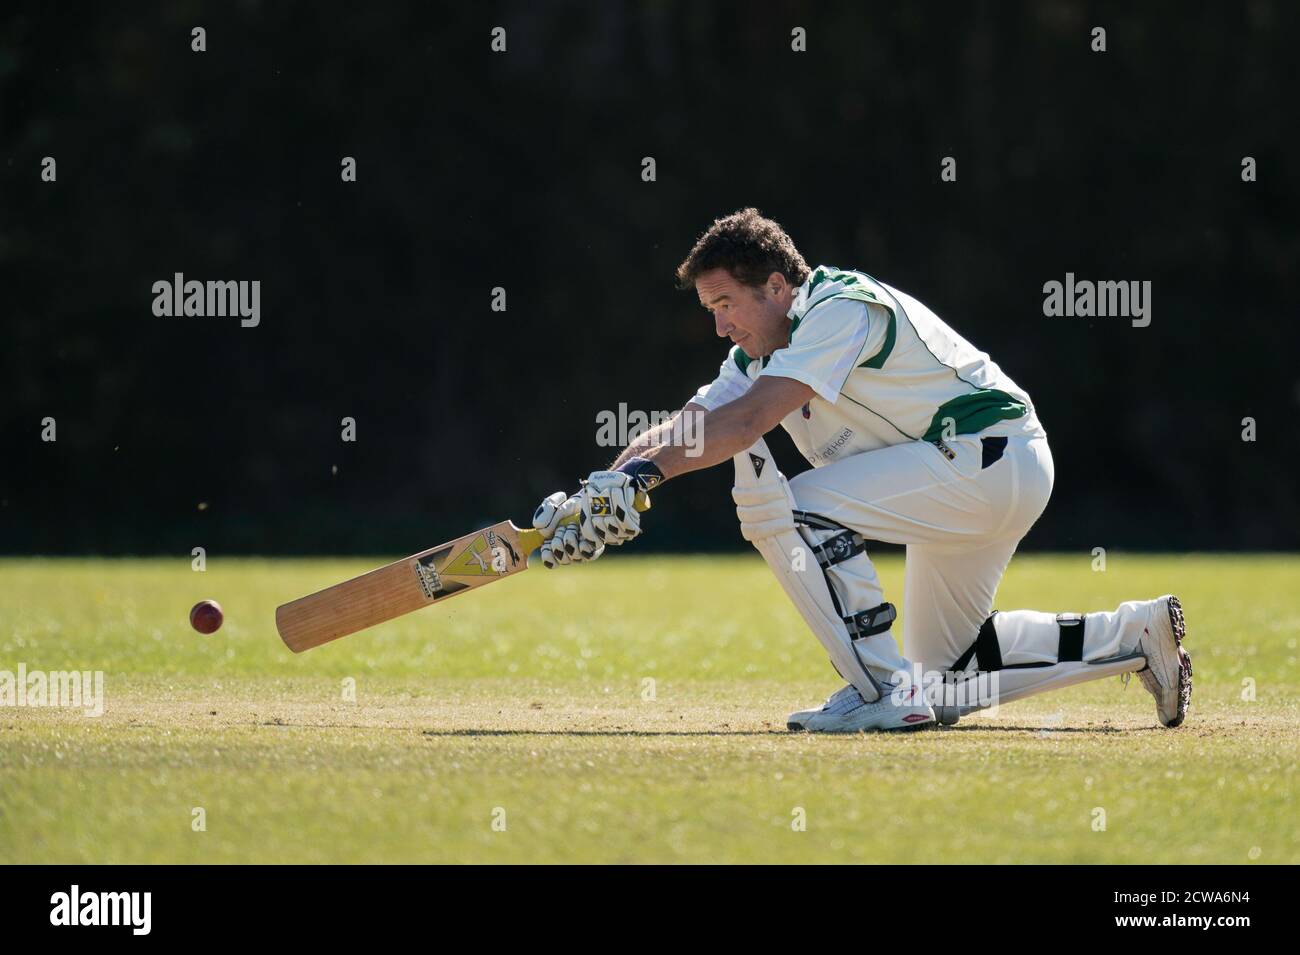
843	701
847	699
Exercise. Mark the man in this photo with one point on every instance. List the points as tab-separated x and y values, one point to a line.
916	438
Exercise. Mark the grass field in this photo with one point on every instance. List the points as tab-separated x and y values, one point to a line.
517	725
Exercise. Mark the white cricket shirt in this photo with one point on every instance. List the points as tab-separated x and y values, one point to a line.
885	368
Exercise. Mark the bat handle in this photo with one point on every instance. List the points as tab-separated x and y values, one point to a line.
531	538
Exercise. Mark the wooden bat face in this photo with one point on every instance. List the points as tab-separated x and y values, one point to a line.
412	583
406	585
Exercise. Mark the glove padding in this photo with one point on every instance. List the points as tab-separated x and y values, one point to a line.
564	543
608	503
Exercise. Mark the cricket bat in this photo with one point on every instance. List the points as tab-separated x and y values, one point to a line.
412	583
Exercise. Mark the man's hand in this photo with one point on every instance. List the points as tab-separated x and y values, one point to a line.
607	503
606	511
564	543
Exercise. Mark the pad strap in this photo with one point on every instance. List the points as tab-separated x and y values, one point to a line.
817	522
838	548
1071	645
988	653
985	649
868	623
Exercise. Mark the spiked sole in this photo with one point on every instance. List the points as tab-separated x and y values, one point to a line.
1184	662
1179	627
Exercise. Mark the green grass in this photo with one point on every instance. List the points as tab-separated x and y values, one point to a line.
529	697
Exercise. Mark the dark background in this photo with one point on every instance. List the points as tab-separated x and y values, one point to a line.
523	169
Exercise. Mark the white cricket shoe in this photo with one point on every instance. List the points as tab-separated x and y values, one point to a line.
1168	673
847	712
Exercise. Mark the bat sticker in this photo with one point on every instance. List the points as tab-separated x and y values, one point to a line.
427	573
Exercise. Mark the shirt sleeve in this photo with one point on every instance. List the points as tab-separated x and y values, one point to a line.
730	384
830	341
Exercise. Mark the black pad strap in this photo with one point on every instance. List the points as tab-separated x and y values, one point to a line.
985	649
1071	645
817	521
839	548
868	623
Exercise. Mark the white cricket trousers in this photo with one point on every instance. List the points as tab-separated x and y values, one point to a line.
961	514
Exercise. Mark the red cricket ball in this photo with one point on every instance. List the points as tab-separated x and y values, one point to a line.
205	616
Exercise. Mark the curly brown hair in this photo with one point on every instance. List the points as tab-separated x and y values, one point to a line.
748	246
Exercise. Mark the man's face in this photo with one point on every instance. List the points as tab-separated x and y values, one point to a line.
753	318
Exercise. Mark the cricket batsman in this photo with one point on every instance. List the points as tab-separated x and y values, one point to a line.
916	437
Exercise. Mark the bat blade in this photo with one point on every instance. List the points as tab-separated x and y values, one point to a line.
406	585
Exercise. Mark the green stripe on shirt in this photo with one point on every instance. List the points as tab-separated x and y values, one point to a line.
974	412
878	359
741	359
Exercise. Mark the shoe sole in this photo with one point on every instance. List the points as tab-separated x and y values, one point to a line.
909	728
1179	625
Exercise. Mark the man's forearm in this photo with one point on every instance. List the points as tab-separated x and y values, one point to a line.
695	438
719	435
657	435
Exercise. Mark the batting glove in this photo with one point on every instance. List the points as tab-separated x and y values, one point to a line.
609	500
564	543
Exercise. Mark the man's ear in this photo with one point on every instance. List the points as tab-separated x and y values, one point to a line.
776	283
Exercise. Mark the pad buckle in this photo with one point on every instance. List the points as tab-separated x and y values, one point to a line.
838	548
868	623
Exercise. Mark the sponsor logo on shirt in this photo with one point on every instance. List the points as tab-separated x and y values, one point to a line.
832	449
